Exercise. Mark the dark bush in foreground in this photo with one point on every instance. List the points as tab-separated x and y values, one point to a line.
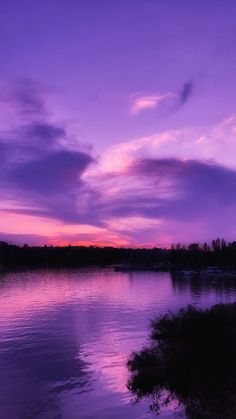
191	359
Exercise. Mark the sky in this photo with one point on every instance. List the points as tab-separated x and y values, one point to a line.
117	122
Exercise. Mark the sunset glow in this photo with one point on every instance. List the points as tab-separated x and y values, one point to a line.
118	124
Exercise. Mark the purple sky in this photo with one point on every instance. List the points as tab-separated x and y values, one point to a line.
118	121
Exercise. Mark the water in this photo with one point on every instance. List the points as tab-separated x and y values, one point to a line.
65	337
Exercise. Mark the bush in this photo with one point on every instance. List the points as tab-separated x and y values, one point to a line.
191	359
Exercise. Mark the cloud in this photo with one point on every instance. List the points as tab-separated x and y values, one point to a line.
39	173
56	173
119	157
52	187
193	181
200	143
44	131
141	103
186	92
136	193
28	98
183	198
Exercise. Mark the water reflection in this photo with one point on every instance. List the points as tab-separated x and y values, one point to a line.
65	337
222	288
43	359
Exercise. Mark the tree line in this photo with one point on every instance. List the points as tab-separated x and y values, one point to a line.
76	256
194	256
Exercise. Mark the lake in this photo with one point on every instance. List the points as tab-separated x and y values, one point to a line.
65	337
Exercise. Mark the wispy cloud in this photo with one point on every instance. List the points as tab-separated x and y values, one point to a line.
186	92
141	103
119	157
195	142
28	99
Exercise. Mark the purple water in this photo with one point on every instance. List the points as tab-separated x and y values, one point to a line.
65	337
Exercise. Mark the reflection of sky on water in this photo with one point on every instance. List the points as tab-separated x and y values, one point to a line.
37	358
65	337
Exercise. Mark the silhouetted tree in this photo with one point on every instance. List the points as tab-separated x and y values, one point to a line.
194	256
191	359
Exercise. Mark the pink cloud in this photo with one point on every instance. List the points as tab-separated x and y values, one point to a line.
144	102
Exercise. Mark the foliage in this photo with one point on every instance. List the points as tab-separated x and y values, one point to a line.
195	256
192	359
76	256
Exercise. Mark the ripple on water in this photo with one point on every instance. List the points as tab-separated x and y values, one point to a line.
65	337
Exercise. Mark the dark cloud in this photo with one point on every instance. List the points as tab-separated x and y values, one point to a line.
45	131
27	97
186	92
176	190
38	173
51	186
191	177
58	172
4	147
